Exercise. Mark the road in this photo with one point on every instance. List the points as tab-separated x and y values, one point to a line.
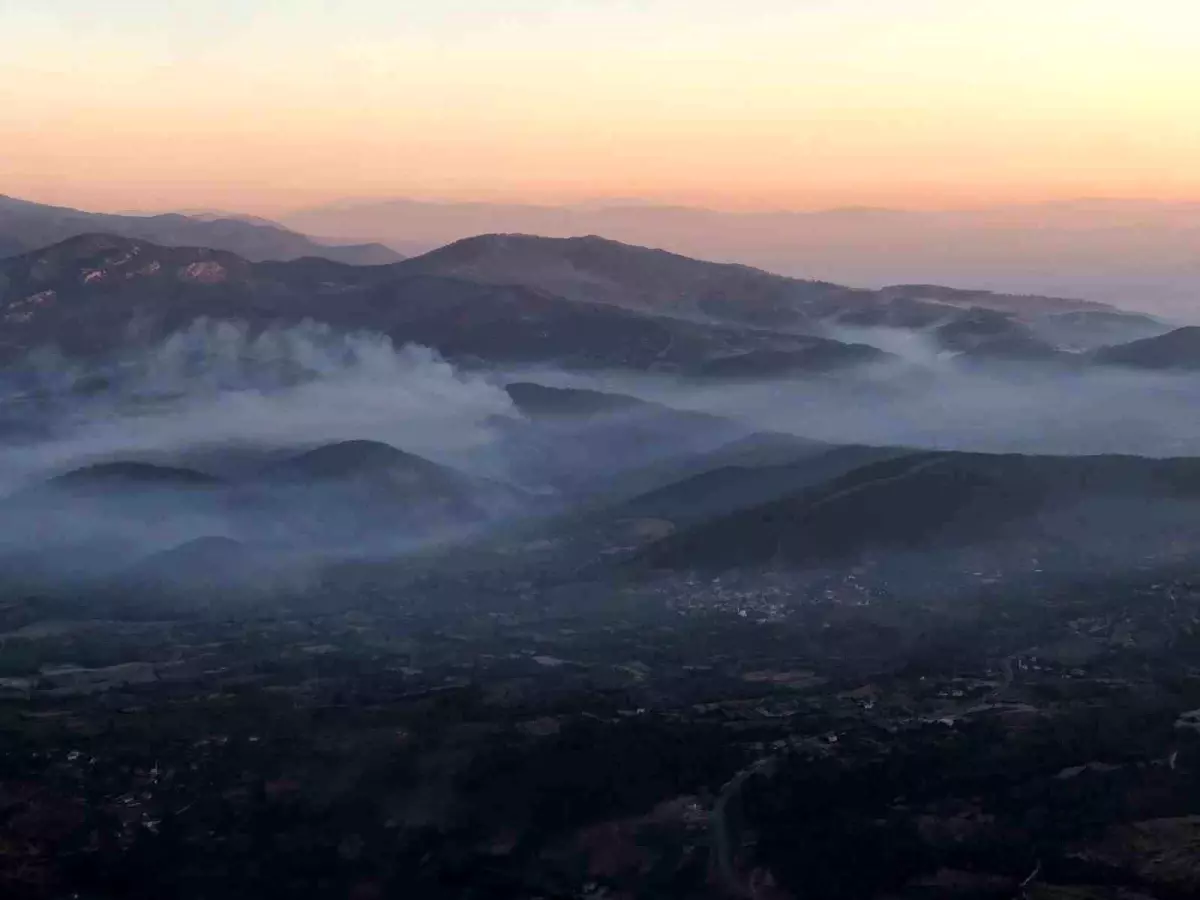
721	831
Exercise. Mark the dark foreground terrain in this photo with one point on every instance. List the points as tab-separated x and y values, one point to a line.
467	731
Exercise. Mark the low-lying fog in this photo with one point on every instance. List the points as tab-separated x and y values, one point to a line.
930	400
215	385
233	414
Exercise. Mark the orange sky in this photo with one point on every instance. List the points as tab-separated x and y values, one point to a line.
266	105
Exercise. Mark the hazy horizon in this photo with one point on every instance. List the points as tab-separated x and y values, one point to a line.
1014	146
602	202
118	205
1137	254
615	202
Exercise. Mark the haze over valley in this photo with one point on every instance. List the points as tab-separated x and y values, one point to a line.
527	453
599	451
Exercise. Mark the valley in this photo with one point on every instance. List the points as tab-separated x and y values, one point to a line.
541	568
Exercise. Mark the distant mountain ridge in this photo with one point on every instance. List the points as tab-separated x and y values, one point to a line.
585	302
26	226
1136	255
600	270
85	294
597	270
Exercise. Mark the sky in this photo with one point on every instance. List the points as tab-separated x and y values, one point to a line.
270	105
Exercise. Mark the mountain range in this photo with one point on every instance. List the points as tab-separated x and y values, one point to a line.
1134	254
26	226
1111	509
586	302
354	497
87	294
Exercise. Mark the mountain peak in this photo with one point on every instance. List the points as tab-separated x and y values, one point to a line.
92	259
1178	349
541	400
484	245
594	269
346	459
79	246
26	226
131	474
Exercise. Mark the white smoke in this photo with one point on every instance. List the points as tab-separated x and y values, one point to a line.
911	345
217	384
930	400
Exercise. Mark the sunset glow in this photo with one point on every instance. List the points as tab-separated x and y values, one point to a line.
266	105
